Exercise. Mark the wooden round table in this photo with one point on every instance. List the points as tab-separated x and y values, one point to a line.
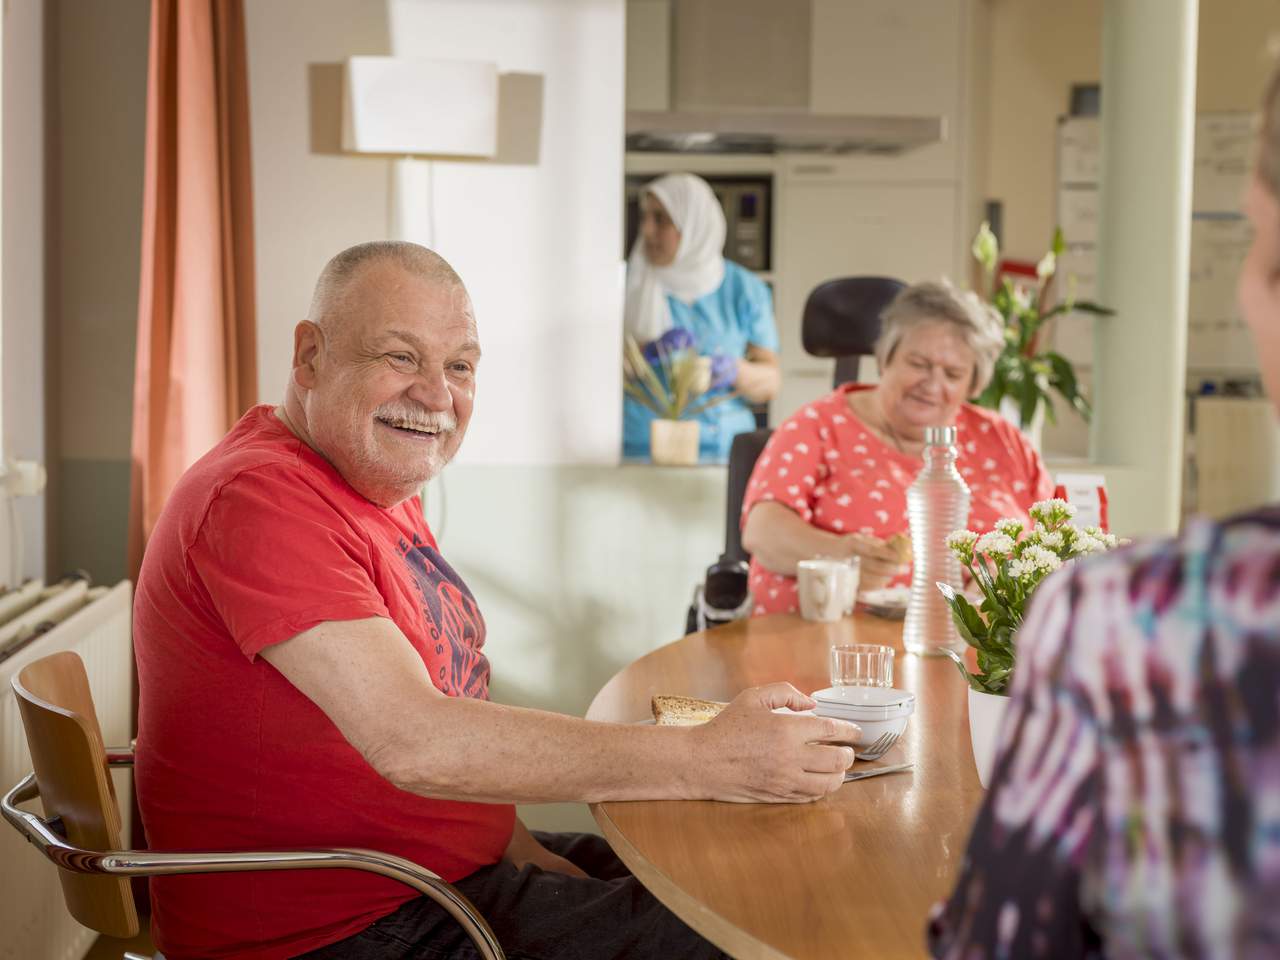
852	875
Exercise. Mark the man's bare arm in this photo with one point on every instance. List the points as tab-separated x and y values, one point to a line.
371	683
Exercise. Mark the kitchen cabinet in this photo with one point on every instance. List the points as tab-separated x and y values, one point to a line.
886	56
648	55
741	54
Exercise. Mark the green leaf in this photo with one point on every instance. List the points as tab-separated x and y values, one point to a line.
1050	411
1029	401
968	622
1086	306
1064	381
634	390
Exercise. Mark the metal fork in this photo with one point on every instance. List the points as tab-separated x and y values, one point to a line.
877	749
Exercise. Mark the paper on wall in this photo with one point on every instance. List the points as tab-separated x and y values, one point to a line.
1217	338
1223	151
1078	214
1079	153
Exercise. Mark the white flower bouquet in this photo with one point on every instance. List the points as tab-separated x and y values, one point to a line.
1007	565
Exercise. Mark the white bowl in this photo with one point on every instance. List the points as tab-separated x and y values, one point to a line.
876	710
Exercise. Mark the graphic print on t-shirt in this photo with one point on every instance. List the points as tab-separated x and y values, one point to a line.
454	626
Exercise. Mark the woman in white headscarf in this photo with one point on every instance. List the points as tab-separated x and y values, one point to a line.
681	290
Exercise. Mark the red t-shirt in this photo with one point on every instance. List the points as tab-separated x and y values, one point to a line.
261	540
839	476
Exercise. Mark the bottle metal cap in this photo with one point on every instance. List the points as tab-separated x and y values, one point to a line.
940	436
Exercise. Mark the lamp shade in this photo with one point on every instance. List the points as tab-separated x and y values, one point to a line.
407	106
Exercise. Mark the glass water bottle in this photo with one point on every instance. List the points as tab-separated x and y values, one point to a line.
937	504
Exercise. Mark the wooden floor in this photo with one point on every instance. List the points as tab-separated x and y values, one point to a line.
109	948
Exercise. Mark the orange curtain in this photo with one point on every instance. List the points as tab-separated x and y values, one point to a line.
196	367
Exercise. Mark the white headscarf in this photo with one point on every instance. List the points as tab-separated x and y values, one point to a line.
698	268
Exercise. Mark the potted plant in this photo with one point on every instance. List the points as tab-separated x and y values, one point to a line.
673	381
1007	565
1025	375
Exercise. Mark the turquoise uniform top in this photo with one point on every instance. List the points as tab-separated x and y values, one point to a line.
737	313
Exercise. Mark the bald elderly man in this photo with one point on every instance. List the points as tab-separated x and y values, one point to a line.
312	674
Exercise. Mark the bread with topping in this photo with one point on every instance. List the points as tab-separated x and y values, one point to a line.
684	711
900	544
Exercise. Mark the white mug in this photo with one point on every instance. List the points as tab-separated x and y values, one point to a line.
851	576
824	588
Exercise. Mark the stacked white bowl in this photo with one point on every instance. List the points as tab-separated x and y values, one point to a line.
876	710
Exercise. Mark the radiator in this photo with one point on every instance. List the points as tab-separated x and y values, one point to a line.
34	923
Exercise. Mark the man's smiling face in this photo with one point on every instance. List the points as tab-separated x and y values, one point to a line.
388	379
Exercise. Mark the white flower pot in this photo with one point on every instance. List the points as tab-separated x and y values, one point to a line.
673	443
986	711
1009	409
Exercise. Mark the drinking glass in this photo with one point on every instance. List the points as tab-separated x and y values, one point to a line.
862	665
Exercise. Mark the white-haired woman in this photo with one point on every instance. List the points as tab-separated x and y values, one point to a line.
682	292
833	479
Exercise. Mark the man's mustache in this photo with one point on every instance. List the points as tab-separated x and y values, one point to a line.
418	417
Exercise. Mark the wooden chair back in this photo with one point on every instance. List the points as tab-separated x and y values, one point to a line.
70	763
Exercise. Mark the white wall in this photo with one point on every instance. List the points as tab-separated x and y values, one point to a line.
309	201
22	260
96	167
537	245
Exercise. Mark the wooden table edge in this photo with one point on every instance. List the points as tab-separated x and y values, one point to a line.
706	922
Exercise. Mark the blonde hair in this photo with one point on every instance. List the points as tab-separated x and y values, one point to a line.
977	323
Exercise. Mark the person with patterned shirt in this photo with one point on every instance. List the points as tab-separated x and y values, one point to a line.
1134	808
833	479
312	674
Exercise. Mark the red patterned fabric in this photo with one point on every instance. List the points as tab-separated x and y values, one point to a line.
836	474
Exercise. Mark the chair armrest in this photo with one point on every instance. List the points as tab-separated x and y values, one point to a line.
45	836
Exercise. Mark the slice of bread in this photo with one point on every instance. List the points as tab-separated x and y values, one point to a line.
900	544
684	711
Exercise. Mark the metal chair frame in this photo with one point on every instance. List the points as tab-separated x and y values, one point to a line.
46	836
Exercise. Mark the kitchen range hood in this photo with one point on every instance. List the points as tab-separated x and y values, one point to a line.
727	132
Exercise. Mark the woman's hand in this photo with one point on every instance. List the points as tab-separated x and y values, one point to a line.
673	341
724	370
880	562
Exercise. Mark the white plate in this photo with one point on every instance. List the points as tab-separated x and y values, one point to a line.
887	602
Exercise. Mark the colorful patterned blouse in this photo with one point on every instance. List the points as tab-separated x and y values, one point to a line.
1134	809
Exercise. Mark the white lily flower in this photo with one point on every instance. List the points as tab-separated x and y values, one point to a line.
986	249
1047	266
